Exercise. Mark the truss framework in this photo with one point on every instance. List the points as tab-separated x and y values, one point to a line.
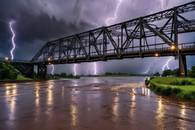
140	37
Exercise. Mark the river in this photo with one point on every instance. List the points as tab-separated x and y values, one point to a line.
96	103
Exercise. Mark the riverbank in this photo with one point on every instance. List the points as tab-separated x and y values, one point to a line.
182	88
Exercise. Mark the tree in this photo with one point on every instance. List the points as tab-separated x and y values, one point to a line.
170	72
157	74
192	73
8	72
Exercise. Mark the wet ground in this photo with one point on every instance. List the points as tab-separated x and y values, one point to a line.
117	103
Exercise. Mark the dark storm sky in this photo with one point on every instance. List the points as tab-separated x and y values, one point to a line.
38	21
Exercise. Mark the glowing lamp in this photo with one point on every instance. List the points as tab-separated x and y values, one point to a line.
49	59
6	58
156	55
173	47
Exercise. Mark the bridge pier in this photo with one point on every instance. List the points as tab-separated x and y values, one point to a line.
42	70
182	66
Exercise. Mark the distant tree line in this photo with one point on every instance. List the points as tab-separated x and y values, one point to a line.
121	74
62	75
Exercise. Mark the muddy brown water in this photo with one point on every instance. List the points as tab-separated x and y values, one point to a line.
103	103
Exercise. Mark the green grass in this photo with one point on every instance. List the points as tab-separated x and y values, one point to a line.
21	78
183	88
10	73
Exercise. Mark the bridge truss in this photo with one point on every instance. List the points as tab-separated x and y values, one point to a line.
148	36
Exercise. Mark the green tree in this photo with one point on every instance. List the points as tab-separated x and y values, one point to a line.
192	74
170	72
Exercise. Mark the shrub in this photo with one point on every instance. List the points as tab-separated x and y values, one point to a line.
181	82
175	91
166	91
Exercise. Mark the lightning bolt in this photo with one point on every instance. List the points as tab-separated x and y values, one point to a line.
75	69
11	23
163	4
52	69
166	65
95	68
148	69
115	16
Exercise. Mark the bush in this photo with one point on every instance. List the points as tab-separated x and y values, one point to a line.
167	91
170	73
187	95
175	91
8	71
181	82
192	72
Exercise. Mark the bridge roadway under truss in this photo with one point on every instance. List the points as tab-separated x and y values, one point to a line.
148	36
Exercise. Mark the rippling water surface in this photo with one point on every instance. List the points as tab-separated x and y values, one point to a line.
105	103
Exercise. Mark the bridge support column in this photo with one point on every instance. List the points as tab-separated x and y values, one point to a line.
182	66
42	71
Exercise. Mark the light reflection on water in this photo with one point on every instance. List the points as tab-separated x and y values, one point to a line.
160	113
132	104
50	93
37	94
75	83
115	106
62	91
37	100
74	111
11	93
182	113
146	91
96	80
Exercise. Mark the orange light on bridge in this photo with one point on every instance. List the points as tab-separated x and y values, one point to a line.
49	59
173	47
156	55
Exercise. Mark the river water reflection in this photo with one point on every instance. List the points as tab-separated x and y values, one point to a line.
104	103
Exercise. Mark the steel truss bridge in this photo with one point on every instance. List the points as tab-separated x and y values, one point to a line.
148	36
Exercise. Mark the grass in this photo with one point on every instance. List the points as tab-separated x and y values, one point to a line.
10	73
183	88
22	78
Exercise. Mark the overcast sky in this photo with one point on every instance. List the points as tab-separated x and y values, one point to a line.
38	21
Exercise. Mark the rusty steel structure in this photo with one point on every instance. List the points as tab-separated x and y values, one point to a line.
148	36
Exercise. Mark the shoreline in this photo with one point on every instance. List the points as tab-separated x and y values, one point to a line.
18	81
173	87
39	80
